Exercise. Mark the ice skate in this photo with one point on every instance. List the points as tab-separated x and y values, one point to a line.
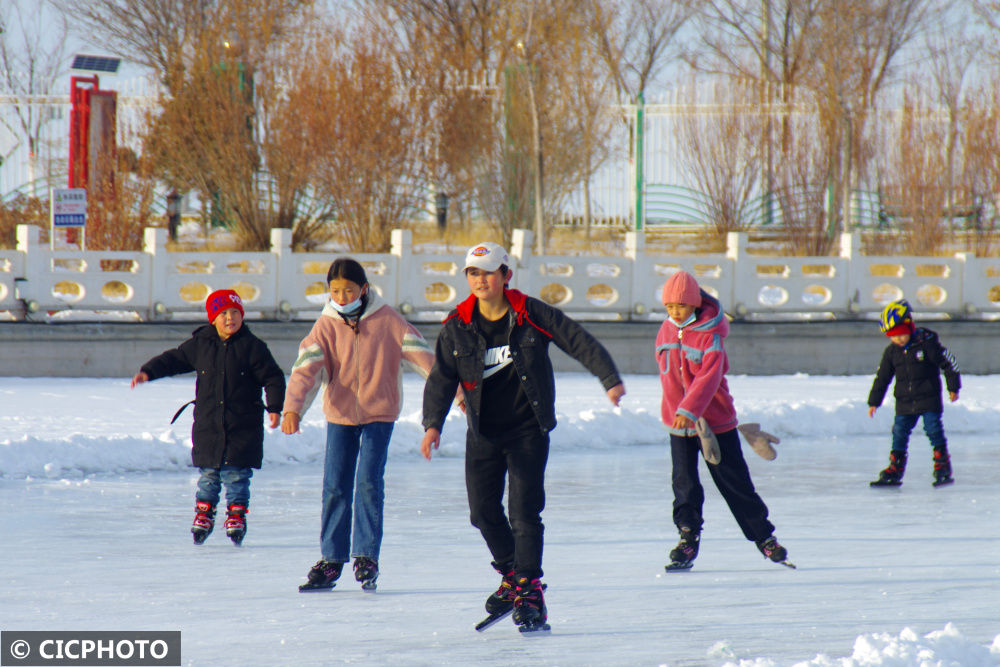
893	475
502	599
322	576
682	556
236	523
942	467
774	551
366	572
530	614
204	521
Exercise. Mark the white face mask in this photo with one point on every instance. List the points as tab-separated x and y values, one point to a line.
348	308
681	325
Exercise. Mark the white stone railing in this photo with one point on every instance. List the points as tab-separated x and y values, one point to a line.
156	284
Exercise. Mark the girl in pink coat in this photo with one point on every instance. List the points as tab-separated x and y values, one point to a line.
693	366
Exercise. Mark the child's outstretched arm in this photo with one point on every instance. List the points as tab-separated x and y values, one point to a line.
615	393
172	362
883	378
432	439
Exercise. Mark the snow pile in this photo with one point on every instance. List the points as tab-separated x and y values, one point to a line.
54	427
936	649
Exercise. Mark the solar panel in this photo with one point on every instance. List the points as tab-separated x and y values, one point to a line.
95	63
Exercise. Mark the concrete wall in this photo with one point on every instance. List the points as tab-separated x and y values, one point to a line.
828	348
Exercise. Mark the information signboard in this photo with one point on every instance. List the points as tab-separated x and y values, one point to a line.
69	207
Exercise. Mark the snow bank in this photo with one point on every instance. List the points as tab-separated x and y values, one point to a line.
907	649
55	427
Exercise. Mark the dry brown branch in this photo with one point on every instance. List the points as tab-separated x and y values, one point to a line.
362	123
723	153
636	39
22	211
801	186
32	58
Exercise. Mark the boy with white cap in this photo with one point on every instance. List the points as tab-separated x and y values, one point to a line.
495	346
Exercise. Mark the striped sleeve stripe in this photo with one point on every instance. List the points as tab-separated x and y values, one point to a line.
308	355
415	343
950	358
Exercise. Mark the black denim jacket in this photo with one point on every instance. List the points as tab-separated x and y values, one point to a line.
532	325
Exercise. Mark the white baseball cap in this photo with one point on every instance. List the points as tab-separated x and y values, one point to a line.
486	256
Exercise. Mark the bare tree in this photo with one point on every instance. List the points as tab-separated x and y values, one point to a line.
169	36
587	89
32	58
637	39
801	187
981	152
915	159
722	153
952	50
857	45
362	122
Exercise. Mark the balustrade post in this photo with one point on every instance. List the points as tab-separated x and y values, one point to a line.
403	271
154	244
524	272
284	278
35	256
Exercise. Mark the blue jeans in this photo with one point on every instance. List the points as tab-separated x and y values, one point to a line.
903	425
354	452
236	479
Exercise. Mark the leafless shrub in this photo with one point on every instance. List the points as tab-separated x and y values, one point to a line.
723	154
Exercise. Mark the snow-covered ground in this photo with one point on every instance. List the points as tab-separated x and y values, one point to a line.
96	501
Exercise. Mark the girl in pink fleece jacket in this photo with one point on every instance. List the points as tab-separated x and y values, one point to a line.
693	366
355	350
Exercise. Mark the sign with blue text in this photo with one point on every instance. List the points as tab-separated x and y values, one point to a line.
69	207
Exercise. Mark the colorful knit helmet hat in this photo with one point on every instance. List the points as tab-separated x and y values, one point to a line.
897	319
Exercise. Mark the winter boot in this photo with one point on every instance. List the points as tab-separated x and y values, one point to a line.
942	466
893	475
204	521
236	523
529	605
772	550
682	556
366	571
502	599
322	576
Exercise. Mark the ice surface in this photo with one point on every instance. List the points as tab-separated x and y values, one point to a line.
97	500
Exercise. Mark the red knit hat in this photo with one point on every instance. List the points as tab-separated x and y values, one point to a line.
682	288
221	299
904	328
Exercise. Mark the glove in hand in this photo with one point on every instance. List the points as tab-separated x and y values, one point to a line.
709	444
760	441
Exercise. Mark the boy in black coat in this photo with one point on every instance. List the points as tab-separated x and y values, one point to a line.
228	430
495	344
915	358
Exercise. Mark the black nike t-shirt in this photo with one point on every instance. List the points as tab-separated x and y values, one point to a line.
505	407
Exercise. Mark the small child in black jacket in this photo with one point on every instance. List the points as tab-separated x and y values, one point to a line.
228	430
914	358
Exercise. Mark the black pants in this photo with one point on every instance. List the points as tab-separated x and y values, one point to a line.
731	477
521	456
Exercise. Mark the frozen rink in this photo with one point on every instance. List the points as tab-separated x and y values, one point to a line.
97	501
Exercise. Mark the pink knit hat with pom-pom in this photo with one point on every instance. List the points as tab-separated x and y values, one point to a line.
682	288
